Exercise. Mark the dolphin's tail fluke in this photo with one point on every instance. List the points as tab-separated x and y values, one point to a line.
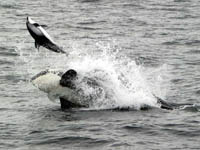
53	47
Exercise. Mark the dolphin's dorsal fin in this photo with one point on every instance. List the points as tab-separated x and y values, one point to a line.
44	25
37	45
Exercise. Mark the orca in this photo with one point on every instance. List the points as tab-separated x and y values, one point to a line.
57	82
41	37
62	84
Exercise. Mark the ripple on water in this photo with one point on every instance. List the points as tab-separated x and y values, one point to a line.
72	141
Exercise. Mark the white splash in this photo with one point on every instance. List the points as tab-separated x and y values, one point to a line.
122	82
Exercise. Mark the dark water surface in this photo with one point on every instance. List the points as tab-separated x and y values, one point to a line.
161	37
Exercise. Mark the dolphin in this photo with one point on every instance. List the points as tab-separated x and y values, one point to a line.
63	84
42	38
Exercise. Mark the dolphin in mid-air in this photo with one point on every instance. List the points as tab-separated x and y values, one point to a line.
42	38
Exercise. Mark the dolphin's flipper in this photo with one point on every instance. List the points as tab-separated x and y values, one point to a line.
37	45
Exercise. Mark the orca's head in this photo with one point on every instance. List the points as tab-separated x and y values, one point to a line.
67	78
47	80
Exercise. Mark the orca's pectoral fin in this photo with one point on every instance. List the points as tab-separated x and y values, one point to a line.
37	45
65	104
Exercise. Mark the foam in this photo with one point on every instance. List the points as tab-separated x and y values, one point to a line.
123	82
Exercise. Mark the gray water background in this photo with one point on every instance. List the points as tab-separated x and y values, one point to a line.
151	32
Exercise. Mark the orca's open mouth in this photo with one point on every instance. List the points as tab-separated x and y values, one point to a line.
59	73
